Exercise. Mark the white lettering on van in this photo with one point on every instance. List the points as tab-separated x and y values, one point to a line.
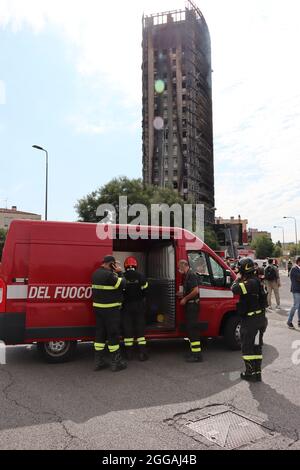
58	291
61	292
81	292
41	293
88	293
32	292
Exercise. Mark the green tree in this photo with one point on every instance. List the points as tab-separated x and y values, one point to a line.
263	246
277	252
3	234
136	192
293	250
211	239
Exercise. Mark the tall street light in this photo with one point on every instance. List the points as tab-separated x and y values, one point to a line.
37	147
296	231
279	226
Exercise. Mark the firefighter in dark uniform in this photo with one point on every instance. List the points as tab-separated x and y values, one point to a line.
107	286
190	301
252	308
134	312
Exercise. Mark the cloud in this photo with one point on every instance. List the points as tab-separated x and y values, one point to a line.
255	87
82	125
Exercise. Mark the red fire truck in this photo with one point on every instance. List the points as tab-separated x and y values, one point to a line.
45	283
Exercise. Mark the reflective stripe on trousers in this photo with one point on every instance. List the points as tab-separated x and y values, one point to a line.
253	358
195	346
118	304
141	341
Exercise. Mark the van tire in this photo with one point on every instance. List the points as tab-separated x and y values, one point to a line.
232	333
57	352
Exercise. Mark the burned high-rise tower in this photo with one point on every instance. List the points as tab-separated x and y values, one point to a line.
177	105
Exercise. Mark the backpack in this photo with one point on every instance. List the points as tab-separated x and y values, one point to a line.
270	273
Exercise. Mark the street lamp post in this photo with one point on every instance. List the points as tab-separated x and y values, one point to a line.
37	147
283	238
296	231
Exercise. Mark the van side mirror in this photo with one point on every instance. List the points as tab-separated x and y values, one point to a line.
229	280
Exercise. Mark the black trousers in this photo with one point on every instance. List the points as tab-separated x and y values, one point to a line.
134	322
252	333
108	328
192	328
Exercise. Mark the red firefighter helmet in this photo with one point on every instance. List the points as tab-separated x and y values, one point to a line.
131	262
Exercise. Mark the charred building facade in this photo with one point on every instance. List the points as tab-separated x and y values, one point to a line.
177	105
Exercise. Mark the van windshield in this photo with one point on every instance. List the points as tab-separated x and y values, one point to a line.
208	270
198	264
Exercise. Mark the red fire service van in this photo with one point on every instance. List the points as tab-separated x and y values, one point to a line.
45	283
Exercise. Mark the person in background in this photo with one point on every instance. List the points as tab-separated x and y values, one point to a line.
272	281
289	266
295	289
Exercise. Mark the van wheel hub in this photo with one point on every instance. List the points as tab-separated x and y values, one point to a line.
56	348
237	333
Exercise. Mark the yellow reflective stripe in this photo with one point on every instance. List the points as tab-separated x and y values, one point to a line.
194	350
128	341
196	343
252	358
116	286
145	286
243	287
113	349
254	313
118	283
141	341
99	346
107	305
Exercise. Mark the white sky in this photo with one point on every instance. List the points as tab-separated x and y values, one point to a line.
255	84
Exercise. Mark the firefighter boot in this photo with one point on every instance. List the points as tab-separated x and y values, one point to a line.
100	361
249	373
117	362
258	363
258	370
143	354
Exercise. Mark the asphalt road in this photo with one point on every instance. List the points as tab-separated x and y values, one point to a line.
149	405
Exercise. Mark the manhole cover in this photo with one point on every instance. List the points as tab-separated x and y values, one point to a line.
229	430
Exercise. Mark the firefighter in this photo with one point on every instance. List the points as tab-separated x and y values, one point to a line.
107	287
190	301
252	308
134	312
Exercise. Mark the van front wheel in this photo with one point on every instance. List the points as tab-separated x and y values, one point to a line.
57	352
232	333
